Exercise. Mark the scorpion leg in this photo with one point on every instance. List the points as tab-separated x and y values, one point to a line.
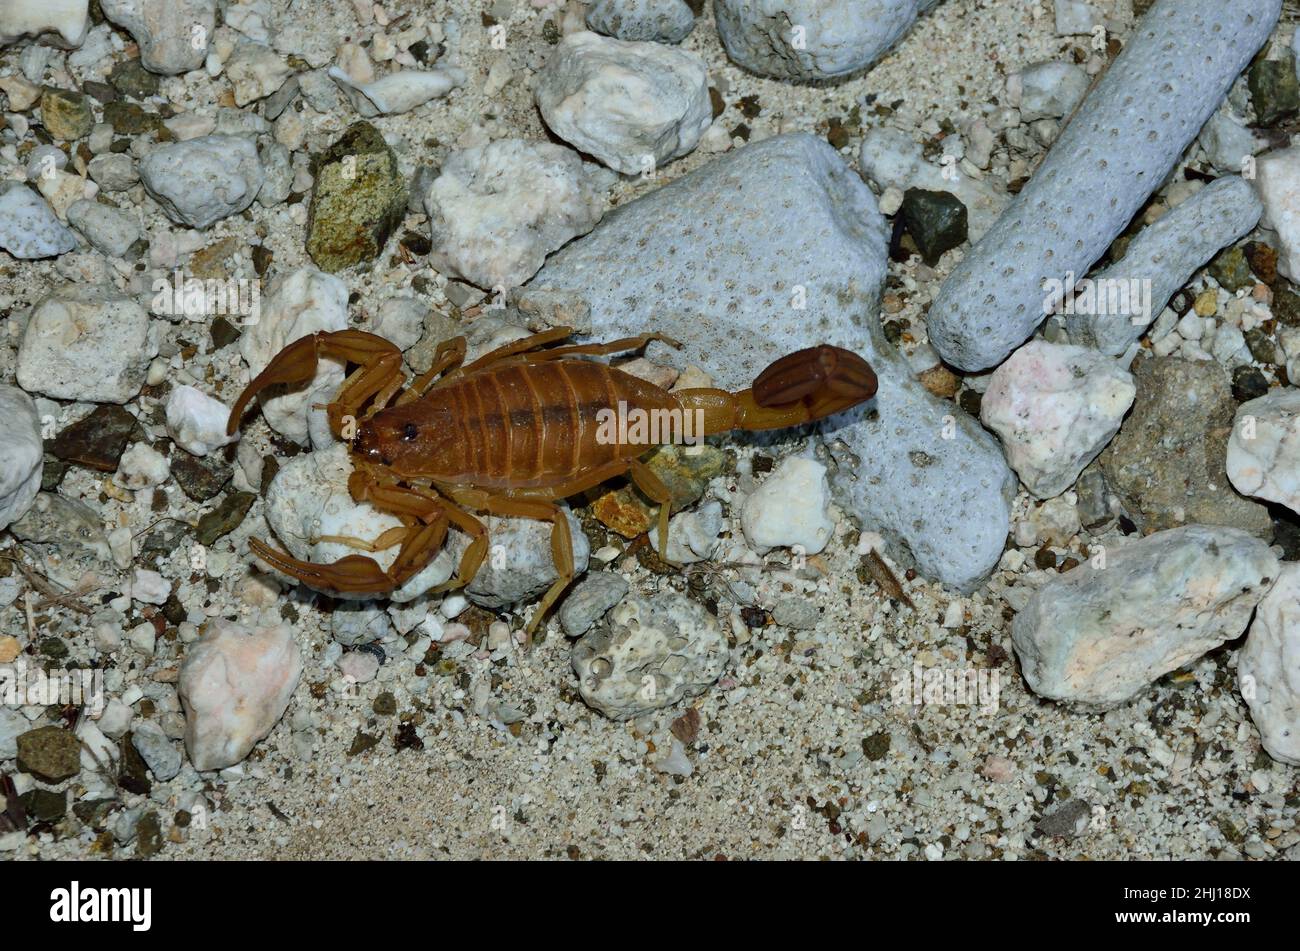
601	349
380	365
522	345
561	546
649	483
449	355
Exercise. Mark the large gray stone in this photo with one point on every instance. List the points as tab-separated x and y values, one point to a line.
1101	632
1176	69
722	259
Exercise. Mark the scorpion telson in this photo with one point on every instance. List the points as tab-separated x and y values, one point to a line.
512	433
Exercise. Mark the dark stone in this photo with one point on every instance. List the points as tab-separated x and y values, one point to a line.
94	812
225	518
201	478
53	648
100	92
1286	306
935	221
1263	261
358	199
1068	820
281	99
1231	269
876	746
385	704
262	258
97	441
127	118
133	773
223	332
44	805
1274	90
1248	384
50	753
1263	347
1286	531
148	836
132	80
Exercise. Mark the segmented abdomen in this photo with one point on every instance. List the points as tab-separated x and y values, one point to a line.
517	426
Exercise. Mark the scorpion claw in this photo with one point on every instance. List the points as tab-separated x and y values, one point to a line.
352	574
296	363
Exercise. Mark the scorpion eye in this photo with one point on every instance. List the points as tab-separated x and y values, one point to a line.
409	432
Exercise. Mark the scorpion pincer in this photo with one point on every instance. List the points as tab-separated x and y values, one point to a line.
512	433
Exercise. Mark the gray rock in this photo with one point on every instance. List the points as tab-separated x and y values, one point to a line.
648	655
1068	820
203	180
22	455
812	39
277	161
1097	635
353	624
12	725
663	21
1172	75
1050	90
158	752
590	599
110	231
519	565
114	172
29	228
633	106
670	260
72	527
1267	664
1159	261
797	613
166	30
86	342
1168	463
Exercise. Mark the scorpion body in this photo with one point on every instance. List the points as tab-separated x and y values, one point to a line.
512	433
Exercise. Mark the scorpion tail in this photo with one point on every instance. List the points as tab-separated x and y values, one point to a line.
800	388
296	363
352	574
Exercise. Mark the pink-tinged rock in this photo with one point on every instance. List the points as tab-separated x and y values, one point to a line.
235	685
1055	407
1268	669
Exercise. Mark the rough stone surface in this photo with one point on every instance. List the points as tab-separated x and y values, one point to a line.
1098	635
790	508
634	106
21	454
520	566
648	655
235	684
86	342
1049	90
812	39
68	20
166	30
1160	261
203	180
398	92
29	229
663	21
1268	668
157	750
1178	64
1055	407
497	210
357	202
1277	179
49	753
1264	448
1167	463
196	421
899	473
590	599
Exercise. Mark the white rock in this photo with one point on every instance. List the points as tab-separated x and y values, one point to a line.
1055	407
116	719
496	211
86	342
69	19
634	106
98	752
29	229
1051	90
255	70
1075	17
21	454
142	466
648	655
22	94
1277	179
173	34
150	587
196	421
201	181
1227	141
299	303
110	231
235	684
401	321
1264	448
399	92
308	499
1101	632
790	508
113	172
360	666
1268	668
63	190
143	637
692	536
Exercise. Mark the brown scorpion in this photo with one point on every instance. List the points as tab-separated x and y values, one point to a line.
510	434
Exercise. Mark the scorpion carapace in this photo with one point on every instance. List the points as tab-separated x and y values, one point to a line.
515	431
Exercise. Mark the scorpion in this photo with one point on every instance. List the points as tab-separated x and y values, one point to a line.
511	434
